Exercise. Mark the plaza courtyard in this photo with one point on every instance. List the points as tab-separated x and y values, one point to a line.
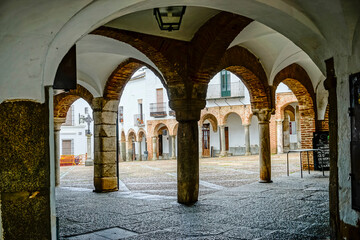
232	204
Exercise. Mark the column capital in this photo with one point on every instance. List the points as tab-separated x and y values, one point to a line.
263	114
187	109
222	126
58	122
246	124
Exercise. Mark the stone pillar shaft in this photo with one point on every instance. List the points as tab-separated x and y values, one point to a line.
200	141
188	162
223	152
154	147
173	152
105	177
279	131
25	185
247	139
264	144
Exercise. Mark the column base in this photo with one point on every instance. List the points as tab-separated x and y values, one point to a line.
265	181
106	184
89	162
223	154
248	154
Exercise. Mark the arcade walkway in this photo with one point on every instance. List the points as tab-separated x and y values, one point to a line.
233	205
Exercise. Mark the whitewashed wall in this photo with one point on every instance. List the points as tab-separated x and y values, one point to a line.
77	132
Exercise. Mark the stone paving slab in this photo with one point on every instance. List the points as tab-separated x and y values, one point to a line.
288	208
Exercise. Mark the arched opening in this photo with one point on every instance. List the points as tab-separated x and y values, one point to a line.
298	82
208	135
74	134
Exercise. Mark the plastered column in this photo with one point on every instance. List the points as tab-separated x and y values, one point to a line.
173	150
298	127
247	140
57	126
154	147
105	112
279	131
223	152
286	130
264	142
139	148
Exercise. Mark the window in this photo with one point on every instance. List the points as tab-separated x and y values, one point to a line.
225	83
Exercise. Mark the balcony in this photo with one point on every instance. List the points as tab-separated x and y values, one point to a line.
236	89
139	120
158	110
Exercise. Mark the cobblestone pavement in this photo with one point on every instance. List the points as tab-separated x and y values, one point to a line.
232	204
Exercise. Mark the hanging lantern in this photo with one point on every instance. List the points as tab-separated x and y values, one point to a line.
169	18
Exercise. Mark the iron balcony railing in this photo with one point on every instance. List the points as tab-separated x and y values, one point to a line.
158	110
236	90
171	113
139	120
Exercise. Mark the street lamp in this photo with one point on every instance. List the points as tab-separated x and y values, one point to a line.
169	18
88	120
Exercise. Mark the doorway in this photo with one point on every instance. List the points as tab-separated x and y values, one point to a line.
206	140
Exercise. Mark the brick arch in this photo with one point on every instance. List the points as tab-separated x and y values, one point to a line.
131	132
297	73
247	67
122	74
63	101
175	129
141	133
224	120
158	127
211	41
123	138
212	119
290	111
296	78
152	47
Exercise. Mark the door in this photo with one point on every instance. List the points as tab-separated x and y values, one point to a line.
67	147
355	139
206	140
160	137
225	83
226	138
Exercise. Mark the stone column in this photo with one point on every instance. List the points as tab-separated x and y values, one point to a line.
105	177
154	147
89	161
173	154
247	140
25	178
264	142
279	130
200	141
139	149
223	152
123	150
188	115
57	125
